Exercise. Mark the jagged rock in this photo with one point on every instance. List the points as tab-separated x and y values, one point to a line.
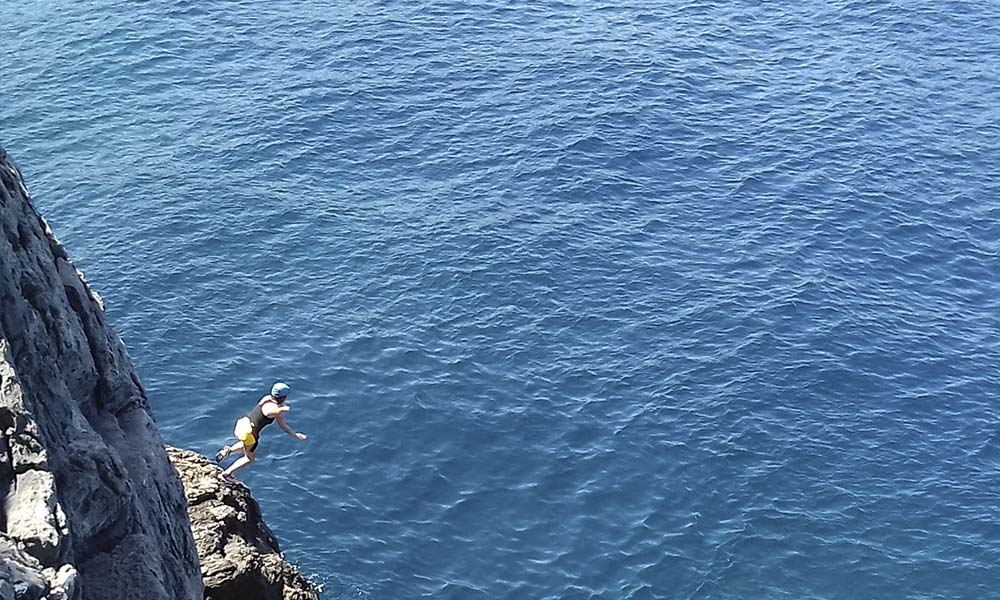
81	452
23	578
62	583
21	575
33	517
240	558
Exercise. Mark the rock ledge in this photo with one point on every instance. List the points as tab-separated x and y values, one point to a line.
240	558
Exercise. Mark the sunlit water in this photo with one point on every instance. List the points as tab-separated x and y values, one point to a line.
577	300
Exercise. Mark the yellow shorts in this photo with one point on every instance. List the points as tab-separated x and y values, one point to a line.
244	433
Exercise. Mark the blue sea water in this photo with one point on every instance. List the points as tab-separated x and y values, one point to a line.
684	299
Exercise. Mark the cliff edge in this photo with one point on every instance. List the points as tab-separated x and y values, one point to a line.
240	557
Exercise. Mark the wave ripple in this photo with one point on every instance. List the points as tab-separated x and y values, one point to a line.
577	300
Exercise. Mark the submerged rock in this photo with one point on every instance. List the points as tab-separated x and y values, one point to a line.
240	558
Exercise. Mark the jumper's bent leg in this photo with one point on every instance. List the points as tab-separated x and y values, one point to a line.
246	459
226	451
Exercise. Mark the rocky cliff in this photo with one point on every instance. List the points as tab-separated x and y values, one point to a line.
240	557
90	505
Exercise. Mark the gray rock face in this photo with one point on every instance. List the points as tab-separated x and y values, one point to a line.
23	578
240	559
86	488
20	574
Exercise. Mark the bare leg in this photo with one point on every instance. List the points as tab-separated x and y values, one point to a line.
246	459
228	450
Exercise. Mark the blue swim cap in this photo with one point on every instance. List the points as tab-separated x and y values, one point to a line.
280	390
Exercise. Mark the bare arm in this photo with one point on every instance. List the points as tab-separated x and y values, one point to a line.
280	420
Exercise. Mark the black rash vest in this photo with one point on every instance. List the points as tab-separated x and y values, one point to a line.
259	419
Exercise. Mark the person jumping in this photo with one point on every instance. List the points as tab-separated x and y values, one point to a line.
270	408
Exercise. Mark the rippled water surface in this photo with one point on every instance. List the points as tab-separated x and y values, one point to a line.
577	300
